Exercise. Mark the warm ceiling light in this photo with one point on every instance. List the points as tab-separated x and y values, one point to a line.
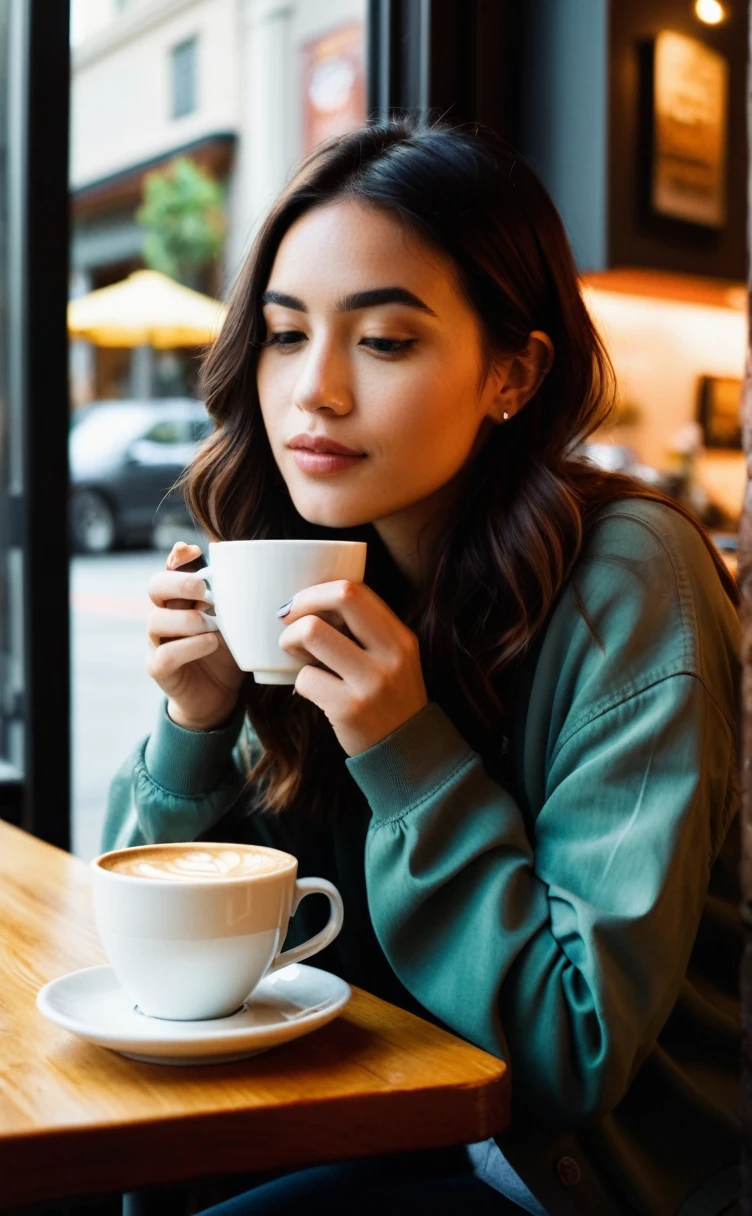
710	11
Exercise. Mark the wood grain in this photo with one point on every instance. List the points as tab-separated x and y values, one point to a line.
78	1119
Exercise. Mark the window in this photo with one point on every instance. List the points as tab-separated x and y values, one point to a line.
115	703
184	78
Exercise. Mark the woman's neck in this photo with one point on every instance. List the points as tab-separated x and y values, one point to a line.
410	534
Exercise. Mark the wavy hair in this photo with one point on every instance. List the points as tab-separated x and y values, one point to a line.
506	553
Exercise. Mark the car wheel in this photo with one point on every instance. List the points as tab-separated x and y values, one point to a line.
93	525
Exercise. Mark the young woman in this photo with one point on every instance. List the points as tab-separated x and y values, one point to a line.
513	749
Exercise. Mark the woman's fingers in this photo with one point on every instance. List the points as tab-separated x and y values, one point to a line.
366	617
169	585
175	623
181	553
313	639
168	658
323	688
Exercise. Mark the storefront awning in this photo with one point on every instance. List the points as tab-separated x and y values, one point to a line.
146	309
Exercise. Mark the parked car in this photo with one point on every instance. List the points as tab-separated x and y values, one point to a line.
124	457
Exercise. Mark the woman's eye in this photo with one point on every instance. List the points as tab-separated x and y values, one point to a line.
287	337
388	346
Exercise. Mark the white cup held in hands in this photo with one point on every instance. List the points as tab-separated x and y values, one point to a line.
250	579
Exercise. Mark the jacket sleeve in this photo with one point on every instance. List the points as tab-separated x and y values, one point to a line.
178	783
558	935
565	959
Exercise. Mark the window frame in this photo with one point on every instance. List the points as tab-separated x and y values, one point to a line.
36	538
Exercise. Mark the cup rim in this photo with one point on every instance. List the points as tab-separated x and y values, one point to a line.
300	540
270	876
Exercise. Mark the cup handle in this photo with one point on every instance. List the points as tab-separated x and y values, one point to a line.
210	621
303	887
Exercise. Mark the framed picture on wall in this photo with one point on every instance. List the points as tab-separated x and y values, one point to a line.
720	401
689	136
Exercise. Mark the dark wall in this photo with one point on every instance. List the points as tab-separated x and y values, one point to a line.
635	236
582	123
561	121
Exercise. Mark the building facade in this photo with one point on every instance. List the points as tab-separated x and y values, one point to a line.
243	87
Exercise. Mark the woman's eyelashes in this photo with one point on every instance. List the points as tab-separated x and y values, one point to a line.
287	337
390	348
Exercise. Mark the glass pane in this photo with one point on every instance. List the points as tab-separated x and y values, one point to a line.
184	124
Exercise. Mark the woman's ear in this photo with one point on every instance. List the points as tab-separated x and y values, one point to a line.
523	376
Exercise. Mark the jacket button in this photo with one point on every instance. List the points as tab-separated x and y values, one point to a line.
568	1171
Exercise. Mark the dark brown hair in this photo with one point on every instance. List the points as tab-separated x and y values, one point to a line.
508	550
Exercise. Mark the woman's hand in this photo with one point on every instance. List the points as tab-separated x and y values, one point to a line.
189	662
375	682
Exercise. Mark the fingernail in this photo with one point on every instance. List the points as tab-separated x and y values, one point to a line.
283	611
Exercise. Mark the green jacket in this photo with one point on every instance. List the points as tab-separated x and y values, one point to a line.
580	920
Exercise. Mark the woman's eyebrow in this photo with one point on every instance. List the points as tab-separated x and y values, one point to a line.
357	299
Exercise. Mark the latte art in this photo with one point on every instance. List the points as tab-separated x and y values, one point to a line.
191	927
194	865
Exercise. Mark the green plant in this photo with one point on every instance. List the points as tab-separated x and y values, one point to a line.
184	217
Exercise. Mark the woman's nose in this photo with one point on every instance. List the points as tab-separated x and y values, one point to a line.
323	385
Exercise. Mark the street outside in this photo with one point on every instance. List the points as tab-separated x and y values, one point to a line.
114	702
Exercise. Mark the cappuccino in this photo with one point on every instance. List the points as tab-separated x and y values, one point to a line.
195	863
191	927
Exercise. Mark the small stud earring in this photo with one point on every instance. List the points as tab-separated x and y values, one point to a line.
505	416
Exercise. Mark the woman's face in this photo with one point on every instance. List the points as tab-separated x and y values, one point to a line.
369	345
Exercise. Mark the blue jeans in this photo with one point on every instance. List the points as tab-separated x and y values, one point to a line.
437	1180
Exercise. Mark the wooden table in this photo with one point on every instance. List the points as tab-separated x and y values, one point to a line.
77	1119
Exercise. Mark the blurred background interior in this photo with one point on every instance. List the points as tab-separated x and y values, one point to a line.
182	119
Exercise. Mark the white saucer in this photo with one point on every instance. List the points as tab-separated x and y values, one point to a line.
285	1005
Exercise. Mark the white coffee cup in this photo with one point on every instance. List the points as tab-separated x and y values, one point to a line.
192	944
250	579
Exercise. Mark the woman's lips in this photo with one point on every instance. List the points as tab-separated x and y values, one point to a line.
323	462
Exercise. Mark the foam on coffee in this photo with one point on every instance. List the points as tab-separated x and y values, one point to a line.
194	864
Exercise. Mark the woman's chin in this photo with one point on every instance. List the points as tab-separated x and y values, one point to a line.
331	517
338	522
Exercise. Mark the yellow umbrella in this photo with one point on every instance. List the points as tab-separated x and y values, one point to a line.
146	309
